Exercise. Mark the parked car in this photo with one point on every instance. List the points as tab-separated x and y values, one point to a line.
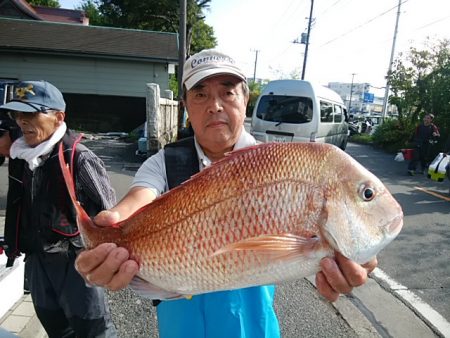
299	111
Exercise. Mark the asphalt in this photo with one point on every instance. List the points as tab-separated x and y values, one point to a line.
369	311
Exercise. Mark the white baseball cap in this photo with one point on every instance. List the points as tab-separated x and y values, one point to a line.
207	63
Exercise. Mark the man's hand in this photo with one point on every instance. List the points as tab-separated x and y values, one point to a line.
106	265
341	275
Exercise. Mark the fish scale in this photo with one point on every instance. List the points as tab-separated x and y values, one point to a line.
261	215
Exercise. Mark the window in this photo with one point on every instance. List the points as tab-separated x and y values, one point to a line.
326	111
337	114
286	109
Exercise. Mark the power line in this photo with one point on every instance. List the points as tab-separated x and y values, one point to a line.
284	18
328	8
433	22
288	15
361	25
282	53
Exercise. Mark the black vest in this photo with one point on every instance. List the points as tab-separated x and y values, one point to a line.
39	212
181	161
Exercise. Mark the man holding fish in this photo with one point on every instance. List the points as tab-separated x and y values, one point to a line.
216	95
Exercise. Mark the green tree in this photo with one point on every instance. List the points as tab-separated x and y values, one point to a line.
173	85
255	91
161	15
420	84
45	3
202	37
90	8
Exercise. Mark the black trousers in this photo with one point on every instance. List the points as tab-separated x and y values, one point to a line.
64	304
420	156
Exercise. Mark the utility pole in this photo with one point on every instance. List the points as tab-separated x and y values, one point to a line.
386	93
351	94
256	60
307	40
181	59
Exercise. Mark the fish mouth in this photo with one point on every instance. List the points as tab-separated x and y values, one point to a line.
395	225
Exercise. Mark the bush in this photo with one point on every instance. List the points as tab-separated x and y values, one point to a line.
392	135
361	138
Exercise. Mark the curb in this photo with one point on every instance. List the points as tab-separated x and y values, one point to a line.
17	312
372	311
22	321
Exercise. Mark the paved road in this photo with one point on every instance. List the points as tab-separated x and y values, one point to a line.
419	258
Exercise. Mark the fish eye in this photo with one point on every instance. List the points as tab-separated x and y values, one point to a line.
367	193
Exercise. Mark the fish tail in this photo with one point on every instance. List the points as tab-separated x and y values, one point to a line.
83	218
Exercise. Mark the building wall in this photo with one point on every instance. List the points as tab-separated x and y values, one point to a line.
357	97
85	75
101	95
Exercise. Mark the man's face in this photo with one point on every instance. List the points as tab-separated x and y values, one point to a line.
427	120
38	127
216	108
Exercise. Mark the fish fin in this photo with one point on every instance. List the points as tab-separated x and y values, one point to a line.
283	246
147	290
68	179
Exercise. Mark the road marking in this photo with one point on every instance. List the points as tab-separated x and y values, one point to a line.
435	194
425	310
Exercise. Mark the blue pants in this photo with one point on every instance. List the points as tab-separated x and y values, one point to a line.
243	313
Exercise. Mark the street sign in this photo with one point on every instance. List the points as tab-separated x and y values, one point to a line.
368	97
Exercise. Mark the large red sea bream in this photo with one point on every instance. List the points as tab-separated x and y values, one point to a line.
261	215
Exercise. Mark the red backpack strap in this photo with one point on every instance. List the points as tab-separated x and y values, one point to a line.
72	156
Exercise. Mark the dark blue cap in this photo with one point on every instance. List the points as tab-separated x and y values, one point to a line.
35	96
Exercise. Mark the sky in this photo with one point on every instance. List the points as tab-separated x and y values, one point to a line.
348	39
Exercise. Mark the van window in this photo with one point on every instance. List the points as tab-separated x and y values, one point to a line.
326	111
337	114
287	109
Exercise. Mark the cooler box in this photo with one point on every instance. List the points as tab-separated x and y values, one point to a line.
437	168
408	154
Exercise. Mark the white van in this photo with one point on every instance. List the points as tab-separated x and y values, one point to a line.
299	111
